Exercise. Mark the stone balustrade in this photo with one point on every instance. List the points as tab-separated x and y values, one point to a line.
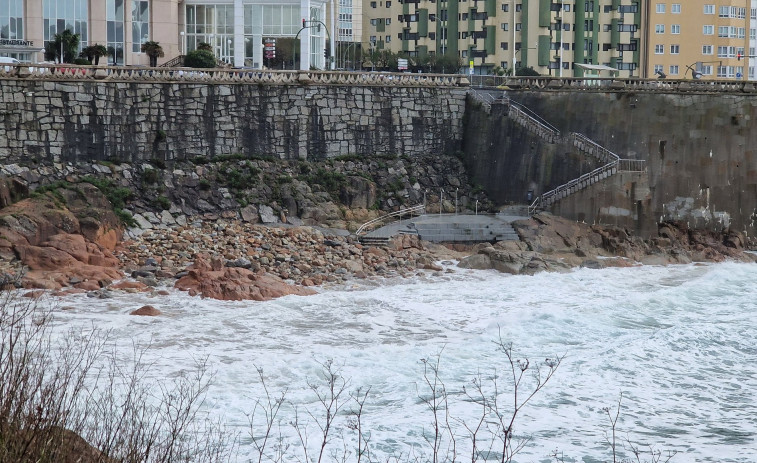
49	72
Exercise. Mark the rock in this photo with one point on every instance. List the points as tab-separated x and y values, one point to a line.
476	262
147	311
267	215
232	283
129	286
249	214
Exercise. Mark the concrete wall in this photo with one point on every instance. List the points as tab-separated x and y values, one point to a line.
700	151
45	121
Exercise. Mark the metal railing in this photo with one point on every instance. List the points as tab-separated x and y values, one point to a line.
551	196
410	212
522	112
589	146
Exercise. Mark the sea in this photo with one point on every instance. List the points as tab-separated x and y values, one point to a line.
662	357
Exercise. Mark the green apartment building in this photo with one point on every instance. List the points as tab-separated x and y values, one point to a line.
554	37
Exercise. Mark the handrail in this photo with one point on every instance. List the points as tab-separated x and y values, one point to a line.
532	116
599	148
415	210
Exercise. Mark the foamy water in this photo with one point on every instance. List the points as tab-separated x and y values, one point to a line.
679	343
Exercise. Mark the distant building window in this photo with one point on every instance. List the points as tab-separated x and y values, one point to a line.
675	8
709	9
660	8
706	49
505	8
675	49
673	70
659	49
675	29
708	29
505	26
659	28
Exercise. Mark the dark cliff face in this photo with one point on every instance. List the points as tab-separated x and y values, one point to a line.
699	152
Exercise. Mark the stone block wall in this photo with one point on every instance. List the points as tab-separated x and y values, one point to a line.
54	122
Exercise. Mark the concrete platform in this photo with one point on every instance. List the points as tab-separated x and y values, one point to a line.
453	228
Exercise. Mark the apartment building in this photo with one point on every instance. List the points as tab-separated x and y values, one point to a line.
552	36
700	39
234	28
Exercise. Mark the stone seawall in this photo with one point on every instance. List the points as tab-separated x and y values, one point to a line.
46	121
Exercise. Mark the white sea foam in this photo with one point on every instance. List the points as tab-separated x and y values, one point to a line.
678	342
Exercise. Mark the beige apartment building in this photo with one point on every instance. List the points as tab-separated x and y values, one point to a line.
699	39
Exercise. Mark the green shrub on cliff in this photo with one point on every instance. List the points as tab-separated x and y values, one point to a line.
200	59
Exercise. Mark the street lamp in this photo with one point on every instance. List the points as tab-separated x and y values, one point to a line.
695	74
182	45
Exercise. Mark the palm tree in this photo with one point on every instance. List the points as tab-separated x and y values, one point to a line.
63	48
153	51
94	52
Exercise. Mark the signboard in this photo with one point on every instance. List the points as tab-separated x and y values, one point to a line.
470	70
23	43
269	48
402	64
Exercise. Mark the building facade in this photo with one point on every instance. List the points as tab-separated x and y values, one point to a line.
700	39
550	36
235	29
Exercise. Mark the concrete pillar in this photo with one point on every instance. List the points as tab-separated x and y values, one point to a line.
239	33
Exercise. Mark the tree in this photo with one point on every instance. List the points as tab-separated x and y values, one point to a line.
449	63
200	59
205	46
66	43
153	51
94	52
526	72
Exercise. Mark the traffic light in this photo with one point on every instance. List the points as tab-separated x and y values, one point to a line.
303	23
739	56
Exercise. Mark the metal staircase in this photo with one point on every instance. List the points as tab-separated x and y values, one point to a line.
583	144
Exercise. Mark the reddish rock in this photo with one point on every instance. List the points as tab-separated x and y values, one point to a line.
132	286
234	283
88	285
146	311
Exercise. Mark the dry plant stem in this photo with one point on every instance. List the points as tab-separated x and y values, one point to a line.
479	399
435	402
270	407
330	399
356	424
518	368
613	423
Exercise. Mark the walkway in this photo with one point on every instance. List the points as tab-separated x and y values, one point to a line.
451	228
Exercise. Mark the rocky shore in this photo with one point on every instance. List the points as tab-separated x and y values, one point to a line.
67	239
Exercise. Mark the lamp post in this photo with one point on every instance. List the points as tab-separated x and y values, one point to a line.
182	45
696	75
441	201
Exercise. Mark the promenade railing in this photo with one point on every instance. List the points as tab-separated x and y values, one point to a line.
53	72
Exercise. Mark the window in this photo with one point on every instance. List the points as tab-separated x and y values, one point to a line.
373	4
505	8
388	21
723	11
388	4
388	38
517	26
706	49
659	28
675	8
115	32
140	24
504	45
58	16
657	68
518	7
659	49
675	29
708	29
660	8
505	26
567	7
12	21
675	49
709	9
722	31
673	70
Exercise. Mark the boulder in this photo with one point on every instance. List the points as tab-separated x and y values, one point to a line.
146	311
209	279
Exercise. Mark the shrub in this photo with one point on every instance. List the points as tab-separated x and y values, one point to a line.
59	403
163	203
200	59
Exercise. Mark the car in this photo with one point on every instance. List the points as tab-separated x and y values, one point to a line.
8	60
